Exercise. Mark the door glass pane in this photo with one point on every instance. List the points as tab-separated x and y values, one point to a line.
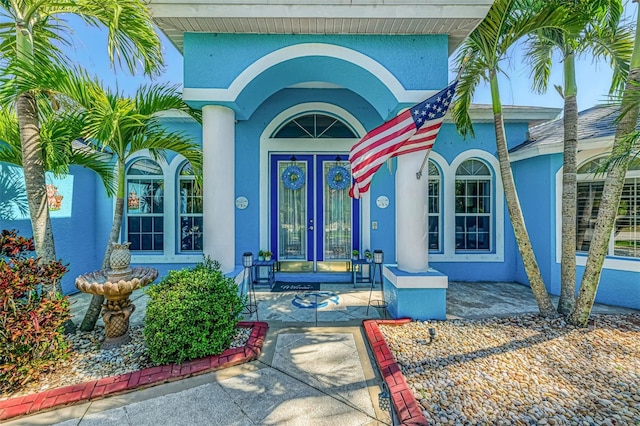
292	221
337	210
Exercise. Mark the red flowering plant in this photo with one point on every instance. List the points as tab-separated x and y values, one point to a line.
32	337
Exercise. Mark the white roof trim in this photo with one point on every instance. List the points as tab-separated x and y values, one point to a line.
172	113
558	147
482	113
432	9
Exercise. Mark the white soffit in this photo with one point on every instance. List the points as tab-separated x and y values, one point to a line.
455	18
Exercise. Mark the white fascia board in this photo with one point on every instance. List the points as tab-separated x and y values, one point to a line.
461	9
520	114
558	147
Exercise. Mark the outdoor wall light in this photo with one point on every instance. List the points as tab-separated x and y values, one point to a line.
247	259
384	399
378	256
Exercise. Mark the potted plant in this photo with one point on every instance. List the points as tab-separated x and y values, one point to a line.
261	256
355	254
368	255
267	255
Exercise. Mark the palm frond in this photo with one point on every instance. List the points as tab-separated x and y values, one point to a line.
13	195
9	137
132	40
46	37
474	70
523	22
629	153
539	56
48	77
614	46
158	140
99	162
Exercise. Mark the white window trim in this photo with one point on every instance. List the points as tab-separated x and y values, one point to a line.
440	206
169	254
176	206
448	183
610	262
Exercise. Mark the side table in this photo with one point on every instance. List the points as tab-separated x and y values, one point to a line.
361	270
264	272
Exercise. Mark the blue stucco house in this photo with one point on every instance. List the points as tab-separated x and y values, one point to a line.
285	86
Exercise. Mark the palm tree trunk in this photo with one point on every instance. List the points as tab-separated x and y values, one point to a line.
93	311
515	212
611	194
583	226
569	188
34	179
32	161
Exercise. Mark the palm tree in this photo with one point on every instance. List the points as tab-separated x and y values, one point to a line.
124	127
59	134
61	141
614	182
480	56
29	33
599	35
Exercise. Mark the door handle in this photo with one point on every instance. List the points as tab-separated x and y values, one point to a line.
311	228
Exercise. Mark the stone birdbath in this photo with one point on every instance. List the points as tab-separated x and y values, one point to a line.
116	285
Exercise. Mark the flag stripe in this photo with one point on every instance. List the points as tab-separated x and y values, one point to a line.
394	131
382	148
413	130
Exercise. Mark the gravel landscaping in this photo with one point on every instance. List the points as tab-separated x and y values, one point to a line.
88	362
522	370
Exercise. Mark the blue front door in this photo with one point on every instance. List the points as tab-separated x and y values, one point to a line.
314	222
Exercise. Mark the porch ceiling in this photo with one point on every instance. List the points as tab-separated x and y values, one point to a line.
456	18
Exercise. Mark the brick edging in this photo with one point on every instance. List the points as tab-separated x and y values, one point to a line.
152	376
405	404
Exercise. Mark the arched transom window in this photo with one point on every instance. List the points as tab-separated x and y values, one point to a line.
315	126
473	206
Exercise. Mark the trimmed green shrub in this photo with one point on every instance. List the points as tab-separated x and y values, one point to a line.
192	313
32	337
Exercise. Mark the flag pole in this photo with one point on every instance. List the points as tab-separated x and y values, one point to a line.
424	162
426	155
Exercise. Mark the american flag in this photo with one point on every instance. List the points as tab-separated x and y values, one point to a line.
413	130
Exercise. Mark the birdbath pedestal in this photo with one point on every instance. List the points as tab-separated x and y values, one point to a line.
116	285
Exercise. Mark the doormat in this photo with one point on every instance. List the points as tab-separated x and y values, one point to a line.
280	287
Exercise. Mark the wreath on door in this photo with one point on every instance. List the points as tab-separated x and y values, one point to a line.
293	177
338	178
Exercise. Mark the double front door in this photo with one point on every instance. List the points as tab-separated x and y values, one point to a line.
314	222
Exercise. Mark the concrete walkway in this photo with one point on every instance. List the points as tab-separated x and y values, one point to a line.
315	368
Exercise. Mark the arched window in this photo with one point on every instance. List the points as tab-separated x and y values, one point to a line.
189	211
434	208
315	126
626	231
473	202
145	206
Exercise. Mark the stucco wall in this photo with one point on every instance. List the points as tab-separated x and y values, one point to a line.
74	229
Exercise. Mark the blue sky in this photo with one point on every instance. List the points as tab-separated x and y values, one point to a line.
90	51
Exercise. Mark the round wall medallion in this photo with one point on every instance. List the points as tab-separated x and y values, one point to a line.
242	203
382	201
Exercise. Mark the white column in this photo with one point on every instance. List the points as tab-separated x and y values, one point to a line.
412	218
218	146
